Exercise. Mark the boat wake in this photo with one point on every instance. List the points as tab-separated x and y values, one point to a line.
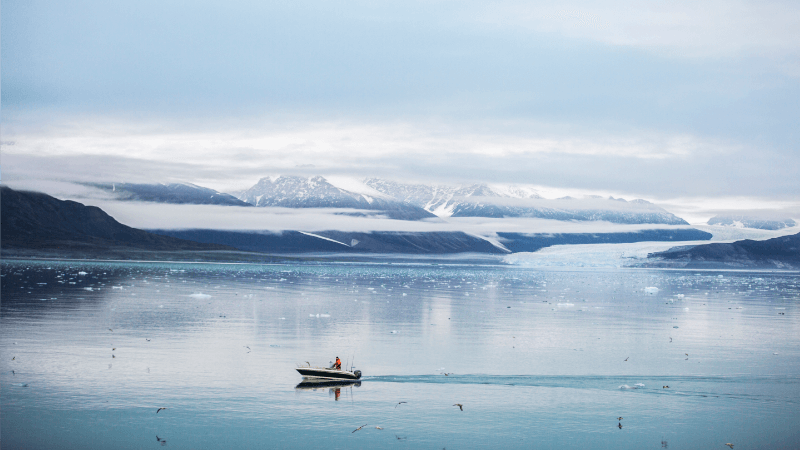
692	386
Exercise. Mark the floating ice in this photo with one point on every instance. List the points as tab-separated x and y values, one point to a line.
82	273
680	296
564	305
200	295
393	332
651	290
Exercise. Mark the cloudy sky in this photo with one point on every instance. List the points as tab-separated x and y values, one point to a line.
693	105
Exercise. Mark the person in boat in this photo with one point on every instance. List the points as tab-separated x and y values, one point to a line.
338	364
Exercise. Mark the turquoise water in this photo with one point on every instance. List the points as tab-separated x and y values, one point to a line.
536	358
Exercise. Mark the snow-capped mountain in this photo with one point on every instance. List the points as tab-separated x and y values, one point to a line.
319	192
178	193
752	222
442	200
482	200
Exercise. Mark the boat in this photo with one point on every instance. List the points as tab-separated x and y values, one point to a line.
328	373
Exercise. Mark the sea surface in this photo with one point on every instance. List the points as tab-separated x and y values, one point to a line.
538	358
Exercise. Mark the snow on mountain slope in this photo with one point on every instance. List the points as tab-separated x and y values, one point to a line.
760	223
318	192
442	200
498	201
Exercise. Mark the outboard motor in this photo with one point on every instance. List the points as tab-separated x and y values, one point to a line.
357	373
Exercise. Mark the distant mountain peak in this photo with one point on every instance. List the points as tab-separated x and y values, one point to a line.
498	201
175	193
290	191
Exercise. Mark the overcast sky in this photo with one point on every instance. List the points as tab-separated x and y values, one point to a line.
685	103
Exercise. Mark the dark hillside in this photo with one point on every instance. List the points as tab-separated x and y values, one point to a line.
781	252
32	220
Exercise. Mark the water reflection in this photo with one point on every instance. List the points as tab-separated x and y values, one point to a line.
334	386
520	349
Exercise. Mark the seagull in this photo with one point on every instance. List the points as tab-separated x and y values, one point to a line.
159	409
627	358
619	419
446	374
670	339
362	426
665	387
148	340
13	358
398	404
729	445
113	356
113	349
460	406
378	428
619	425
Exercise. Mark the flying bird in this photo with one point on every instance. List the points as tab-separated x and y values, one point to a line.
460	406
159	409
378	428
398	404
619	419
670	339
148	340
113	349
110	329
627	358
398	437
619	425
13	358
729	445
362	426
666	387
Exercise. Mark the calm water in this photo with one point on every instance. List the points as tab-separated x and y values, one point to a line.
539	359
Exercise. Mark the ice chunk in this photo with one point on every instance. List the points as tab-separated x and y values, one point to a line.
199	295
651	290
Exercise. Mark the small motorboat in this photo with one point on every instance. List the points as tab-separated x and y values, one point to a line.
328	373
